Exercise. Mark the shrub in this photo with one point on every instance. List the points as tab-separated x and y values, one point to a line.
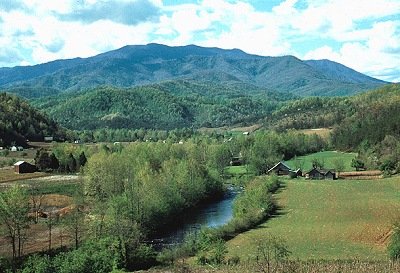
38	264
394	245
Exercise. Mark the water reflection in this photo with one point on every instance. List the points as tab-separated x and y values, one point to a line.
211	215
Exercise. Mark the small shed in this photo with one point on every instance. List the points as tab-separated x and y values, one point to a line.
330	175
319	174
280	169
315	174
24	167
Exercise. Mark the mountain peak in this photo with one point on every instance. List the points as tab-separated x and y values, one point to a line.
134	65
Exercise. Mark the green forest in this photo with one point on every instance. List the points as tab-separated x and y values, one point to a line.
20	122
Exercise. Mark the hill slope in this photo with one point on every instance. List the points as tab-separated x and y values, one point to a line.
367	117
19	122
139	65
167	105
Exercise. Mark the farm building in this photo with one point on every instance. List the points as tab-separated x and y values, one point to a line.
297	173
280	169
318	174
24	167
236	161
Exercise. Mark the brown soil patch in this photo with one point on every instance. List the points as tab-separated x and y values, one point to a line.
373	235
8	175
38	234
38	239
56	200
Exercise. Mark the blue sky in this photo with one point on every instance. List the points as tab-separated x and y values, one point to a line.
361	34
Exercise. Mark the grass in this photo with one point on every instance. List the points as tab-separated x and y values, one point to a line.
330	220
8	175
328	157
236	170
322	132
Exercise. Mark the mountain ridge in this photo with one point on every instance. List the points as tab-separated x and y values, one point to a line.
136	65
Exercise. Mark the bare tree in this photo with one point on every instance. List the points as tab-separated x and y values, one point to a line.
272	253
36	200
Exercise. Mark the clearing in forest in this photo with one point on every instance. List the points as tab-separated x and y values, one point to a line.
328	158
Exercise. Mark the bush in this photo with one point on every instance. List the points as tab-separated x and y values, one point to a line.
394	245
38	264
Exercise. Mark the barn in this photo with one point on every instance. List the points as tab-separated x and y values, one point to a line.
280	169
24	167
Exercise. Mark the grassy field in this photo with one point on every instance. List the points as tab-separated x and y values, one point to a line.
8	175
322	132
236	170
330	220
328	157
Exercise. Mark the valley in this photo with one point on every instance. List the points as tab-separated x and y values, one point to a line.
127	143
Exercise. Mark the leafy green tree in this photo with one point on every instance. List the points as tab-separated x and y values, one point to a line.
54	163
42	160
221	157
71	163
357	164
338	165
14	208
82	159
318	163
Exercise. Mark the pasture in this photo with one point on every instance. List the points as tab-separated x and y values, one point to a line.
329	220
327	157
322	132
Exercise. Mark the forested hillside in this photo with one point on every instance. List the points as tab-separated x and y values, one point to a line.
19	122
169	105
375	109
377	115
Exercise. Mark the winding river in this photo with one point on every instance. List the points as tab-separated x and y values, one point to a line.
215	214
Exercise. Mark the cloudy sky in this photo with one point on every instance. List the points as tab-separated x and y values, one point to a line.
362	34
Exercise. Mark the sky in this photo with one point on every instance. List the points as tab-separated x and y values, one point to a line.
361	34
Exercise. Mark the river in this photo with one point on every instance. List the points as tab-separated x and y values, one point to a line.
215	214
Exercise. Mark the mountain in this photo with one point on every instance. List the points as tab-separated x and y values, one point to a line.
153	63
19	122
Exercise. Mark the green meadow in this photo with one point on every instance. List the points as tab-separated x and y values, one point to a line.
329	220
327	157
